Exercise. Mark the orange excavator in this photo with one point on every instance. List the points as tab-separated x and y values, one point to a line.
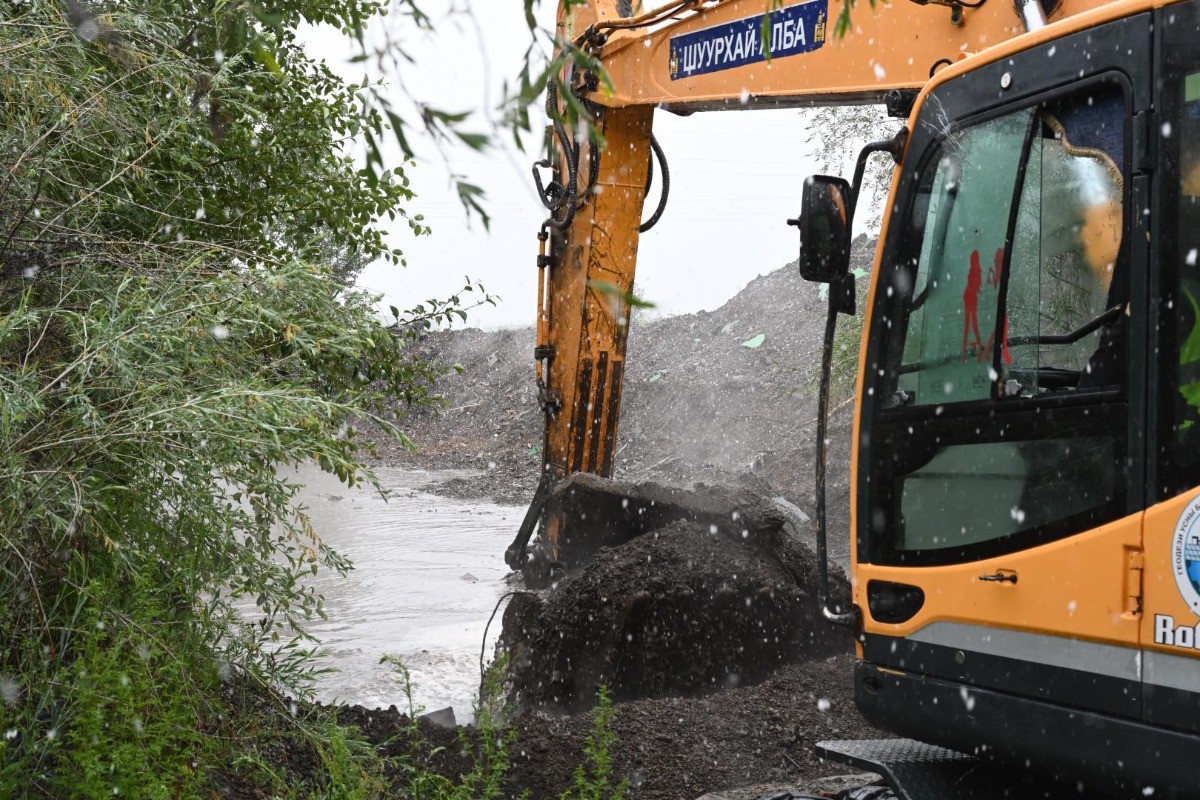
1025	491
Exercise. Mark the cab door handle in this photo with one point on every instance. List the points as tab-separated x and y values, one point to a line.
1000	576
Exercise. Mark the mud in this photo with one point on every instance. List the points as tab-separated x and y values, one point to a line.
693	592
759	737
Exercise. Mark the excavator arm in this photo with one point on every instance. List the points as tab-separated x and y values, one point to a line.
684	57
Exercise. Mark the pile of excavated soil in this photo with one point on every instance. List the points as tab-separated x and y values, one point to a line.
668	593
667	749
680	611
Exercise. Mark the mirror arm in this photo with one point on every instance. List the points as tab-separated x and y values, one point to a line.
893	147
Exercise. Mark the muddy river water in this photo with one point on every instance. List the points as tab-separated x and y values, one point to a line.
428	572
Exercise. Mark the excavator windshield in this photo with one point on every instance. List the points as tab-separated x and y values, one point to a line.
1009	295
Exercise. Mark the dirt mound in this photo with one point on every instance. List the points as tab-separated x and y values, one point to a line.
585	513
703	591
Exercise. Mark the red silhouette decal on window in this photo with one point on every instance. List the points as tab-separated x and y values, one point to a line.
971	305
975	283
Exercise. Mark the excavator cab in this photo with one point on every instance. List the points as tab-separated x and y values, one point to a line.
1003	446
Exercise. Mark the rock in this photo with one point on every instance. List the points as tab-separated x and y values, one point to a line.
443	717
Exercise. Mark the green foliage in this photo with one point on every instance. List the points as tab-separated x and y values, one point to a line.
181	223
847	343
124	714
594	778
841	28
836	134
487	742
324	759
619	298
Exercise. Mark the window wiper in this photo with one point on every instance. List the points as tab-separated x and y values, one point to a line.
1103	321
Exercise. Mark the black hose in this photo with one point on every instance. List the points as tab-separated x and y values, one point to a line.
571	153
483	644
593	175
666	185
822	432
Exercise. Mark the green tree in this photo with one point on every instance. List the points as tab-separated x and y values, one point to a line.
180	218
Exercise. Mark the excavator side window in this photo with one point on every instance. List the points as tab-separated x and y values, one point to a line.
1001	419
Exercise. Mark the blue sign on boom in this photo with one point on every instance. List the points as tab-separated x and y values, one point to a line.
789	31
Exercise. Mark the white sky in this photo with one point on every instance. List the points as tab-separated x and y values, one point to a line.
735	178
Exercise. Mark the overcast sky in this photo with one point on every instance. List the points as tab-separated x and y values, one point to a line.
735	178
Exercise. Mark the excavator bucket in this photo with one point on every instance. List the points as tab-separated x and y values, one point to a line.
586	513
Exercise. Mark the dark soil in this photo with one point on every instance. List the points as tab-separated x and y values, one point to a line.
680	611
667	749
680	593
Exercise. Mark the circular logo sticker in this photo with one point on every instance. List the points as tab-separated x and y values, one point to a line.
1185	554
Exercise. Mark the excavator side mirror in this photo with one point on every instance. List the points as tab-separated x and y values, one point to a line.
824	223
825	228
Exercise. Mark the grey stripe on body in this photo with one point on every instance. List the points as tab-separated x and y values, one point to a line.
1115	661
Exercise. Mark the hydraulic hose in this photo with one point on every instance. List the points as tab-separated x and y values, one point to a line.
666	185
837	617
571	154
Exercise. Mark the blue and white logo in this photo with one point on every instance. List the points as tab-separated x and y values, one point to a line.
1185	555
